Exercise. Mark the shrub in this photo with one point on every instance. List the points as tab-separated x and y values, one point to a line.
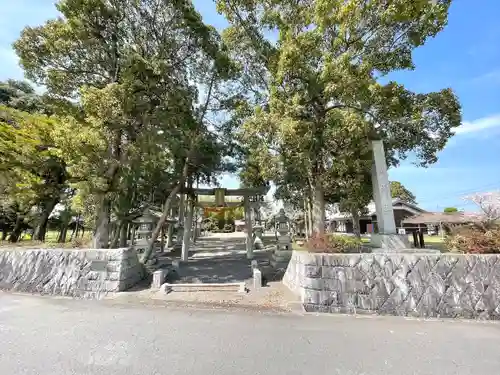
473	240
333	244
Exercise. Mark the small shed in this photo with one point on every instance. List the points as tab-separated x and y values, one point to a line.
441	220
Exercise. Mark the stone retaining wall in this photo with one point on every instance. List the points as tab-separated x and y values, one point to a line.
415	284
77	273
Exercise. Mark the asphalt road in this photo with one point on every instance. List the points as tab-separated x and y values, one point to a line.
46	336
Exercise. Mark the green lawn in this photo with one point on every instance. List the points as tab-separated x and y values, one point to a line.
431	239
297	247
434	241
50	241
427	239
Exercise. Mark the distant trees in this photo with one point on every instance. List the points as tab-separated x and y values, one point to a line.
398	190
489	205
450	210
20	95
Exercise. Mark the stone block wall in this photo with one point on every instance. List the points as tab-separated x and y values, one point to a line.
77	272
412	284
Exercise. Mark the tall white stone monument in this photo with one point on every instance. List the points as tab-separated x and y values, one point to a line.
387	238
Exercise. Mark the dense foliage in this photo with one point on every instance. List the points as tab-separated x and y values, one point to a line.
143	99
474	240
330	243
483	236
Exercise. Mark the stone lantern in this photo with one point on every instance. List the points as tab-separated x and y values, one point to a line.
283	252
142	230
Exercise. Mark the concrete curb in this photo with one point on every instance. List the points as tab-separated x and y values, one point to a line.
297	307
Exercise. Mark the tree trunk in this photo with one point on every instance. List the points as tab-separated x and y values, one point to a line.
194	231
181	214
306	218
318	209
170	235
64	233
355	223
18	228
188	225
309	216
124	234
72	234
100	239
116	235
41	228
166	210
161	222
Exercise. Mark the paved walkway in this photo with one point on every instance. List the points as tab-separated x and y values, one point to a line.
221	258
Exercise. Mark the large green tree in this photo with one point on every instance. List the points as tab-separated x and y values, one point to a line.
316	68
135	66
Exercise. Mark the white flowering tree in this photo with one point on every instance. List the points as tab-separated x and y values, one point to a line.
489	204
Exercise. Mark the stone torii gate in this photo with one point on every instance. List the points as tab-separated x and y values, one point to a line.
251	198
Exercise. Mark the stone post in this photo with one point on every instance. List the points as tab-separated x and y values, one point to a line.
387	238
382	190
376	199
248	225
187	231
132	235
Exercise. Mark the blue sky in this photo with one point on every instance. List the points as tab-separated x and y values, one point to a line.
465	57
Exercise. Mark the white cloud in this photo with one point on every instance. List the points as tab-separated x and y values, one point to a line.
479	125
489	78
